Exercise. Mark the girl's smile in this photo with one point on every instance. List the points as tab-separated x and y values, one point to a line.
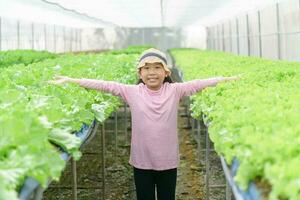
153	75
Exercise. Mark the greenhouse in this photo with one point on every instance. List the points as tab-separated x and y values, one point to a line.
149	100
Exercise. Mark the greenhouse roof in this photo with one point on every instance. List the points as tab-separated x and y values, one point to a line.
129	13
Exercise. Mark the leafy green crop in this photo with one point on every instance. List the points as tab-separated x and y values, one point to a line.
25	57
255	119
34	113
131	50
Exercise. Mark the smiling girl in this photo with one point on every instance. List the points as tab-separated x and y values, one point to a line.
153	102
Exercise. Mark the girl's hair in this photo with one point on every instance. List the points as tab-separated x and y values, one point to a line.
167	79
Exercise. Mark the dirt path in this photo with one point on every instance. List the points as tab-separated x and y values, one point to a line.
190	178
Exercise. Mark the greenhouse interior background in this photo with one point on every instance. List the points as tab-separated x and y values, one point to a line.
237	141
266	28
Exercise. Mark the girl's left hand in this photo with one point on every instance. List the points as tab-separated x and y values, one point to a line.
60	80
233	78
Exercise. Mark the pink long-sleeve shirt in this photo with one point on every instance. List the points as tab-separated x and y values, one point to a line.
154	141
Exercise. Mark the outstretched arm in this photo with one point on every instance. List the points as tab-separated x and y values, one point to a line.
117	89
191	87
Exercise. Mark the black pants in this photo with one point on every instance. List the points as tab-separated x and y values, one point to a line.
146	180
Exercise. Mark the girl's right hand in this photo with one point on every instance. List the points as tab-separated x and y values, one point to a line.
233	78
60	80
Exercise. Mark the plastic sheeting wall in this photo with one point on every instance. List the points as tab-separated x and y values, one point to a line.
272	32
16	34
162	38
26	35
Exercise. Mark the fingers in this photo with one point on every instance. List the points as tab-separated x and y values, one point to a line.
239	76
60	77
55	82
51	82
235	78
58	80
232	78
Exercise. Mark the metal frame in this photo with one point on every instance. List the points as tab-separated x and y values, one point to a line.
252	192
229	179
32	190
230	186
198	126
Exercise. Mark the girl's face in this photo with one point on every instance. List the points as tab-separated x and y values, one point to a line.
153	75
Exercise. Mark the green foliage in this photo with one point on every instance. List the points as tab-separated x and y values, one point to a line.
131	50
25	57
255	119
34	114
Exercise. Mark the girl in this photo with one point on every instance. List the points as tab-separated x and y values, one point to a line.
154	152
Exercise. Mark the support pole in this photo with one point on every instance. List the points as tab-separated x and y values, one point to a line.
248	35
259	34
207	163
125	124
116	135
278	32
18	34
45	36
103	160
74	179
237	36
32	35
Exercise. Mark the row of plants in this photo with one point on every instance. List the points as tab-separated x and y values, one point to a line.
254	119
25	57
34	114
131	50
